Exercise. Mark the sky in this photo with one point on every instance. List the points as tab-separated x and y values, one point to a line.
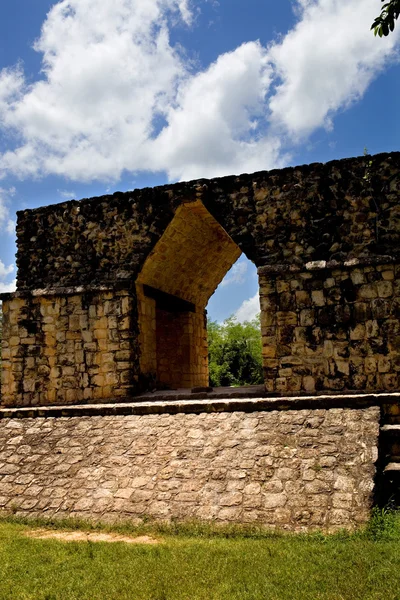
97	97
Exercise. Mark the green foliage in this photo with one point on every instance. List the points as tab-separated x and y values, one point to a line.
384	524
385	22
235	353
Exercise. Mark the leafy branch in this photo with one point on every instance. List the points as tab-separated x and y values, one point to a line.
385	22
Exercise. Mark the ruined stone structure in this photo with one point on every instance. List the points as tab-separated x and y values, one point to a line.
110	303
112	290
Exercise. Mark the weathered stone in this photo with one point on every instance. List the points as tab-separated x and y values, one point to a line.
99	278
385	289
135	472
274	500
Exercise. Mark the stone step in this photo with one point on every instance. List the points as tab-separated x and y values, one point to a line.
393	467
392	429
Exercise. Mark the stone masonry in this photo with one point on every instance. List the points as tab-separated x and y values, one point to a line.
61	350
325	240
331	328
292	469
111	303
188	262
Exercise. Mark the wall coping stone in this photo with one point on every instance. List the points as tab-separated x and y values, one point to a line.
68	291
248	405
320	265
190	188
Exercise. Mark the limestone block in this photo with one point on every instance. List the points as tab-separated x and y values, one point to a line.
100	334
372	329
307	317
358	332
269	351
309	384
370	365
286	318
384	364
16	304
385	289
357	277
303	299
388	275
368	291
318	298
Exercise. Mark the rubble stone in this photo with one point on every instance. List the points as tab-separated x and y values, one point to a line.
113	467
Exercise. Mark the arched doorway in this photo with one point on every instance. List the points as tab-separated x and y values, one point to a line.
173	289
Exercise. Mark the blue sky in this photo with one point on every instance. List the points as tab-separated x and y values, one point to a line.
97	97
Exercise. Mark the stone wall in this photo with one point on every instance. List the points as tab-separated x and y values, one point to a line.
325	239
68	349
147	324
334	211
331	328
182	353
293	469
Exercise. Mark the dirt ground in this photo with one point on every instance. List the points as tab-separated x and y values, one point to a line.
82	536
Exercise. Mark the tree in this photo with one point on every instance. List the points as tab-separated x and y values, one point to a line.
235	353
385	22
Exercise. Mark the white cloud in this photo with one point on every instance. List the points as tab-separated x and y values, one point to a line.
5	271
108	71
11	86
236	275
66	194
249	309
326	62
8	287
212	129
116	95
10	227
6	223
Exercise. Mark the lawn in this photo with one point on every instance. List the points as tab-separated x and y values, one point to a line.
201	564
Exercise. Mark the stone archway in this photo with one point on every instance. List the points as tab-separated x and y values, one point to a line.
113	289
173	289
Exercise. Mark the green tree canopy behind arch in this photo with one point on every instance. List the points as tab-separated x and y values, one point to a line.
235	353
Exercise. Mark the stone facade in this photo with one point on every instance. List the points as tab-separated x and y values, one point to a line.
68	349
331	328
325	239
292	469
335	211
111	302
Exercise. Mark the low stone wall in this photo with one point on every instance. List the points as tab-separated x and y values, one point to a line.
292	469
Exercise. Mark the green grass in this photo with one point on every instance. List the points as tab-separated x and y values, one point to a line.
200	562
